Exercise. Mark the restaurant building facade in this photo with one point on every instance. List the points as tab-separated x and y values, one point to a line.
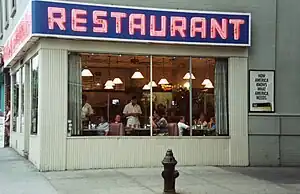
64	55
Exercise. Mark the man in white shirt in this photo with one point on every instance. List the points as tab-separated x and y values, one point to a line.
86	110
132	111
182	126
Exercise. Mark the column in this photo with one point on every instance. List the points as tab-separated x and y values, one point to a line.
52	108
238	111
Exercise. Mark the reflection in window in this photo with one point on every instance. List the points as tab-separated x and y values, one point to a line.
111	95
34	94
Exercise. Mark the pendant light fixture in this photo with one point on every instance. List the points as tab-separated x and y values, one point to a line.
137	75
85	71
207	83
187	76
109	84
163	81
117	80
153	84
146	87
108	87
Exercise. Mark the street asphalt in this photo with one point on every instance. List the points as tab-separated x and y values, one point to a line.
18	176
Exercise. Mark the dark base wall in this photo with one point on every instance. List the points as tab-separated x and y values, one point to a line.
274	140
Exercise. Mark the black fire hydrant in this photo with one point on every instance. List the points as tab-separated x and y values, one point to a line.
169	173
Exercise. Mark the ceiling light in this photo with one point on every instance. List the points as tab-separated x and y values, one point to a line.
86	73
153	84
207	82
117	81
163	81
146	87
209	85
137	75
109	83
108	87
187	76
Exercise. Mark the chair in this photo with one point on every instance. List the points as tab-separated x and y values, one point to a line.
173	129
116	129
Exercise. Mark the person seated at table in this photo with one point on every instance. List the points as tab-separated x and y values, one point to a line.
117	119
182	126
212	123
159	122
202	121
195	121
103	126
132	111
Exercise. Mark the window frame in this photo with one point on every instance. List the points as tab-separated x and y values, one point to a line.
13	8
190	104
1	20
6	17
32	132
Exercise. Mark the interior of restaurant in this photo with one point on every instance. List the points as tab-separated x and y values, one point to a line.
110	81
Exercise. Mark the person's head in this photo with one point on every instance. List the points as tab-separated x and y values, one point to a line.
118	118
202	117
134	100
102	119
213	119
156	114
84	98
182	119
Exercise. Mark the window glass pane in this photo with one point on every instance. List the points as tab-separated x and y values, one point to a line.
22	83
106	95
15	103
102	88
171	111
209	97
34	94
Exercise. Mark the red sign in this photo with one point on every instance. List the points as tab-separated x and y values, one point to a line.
18	38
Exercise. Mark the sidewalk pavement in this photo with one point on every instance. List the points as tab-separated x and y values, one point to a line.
18	176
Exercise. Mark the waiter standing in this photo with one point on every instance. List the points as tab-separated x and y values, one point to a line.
132	111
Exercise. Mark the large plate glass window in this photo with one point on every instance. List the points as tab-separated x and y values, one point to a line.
138	95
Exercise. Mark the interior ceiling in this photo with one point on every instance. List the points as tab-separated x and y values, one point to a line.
131	61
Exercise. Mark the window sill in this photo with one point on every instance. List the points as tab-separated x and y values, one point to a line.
148	137
13	12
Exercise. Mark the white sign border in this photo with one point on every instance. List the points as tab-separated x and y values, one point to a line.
249	92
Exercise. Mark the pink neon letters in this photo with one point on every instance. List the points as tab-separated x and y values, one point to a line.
141	24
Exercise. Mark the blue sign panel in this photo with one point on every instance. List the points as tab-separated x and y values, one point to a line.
119	23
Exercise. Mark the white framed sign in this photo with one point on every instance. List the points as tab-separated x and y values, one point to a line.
261	91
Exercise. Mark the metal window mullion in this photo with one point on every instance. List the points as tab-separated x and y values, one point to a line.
190	97
151	95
